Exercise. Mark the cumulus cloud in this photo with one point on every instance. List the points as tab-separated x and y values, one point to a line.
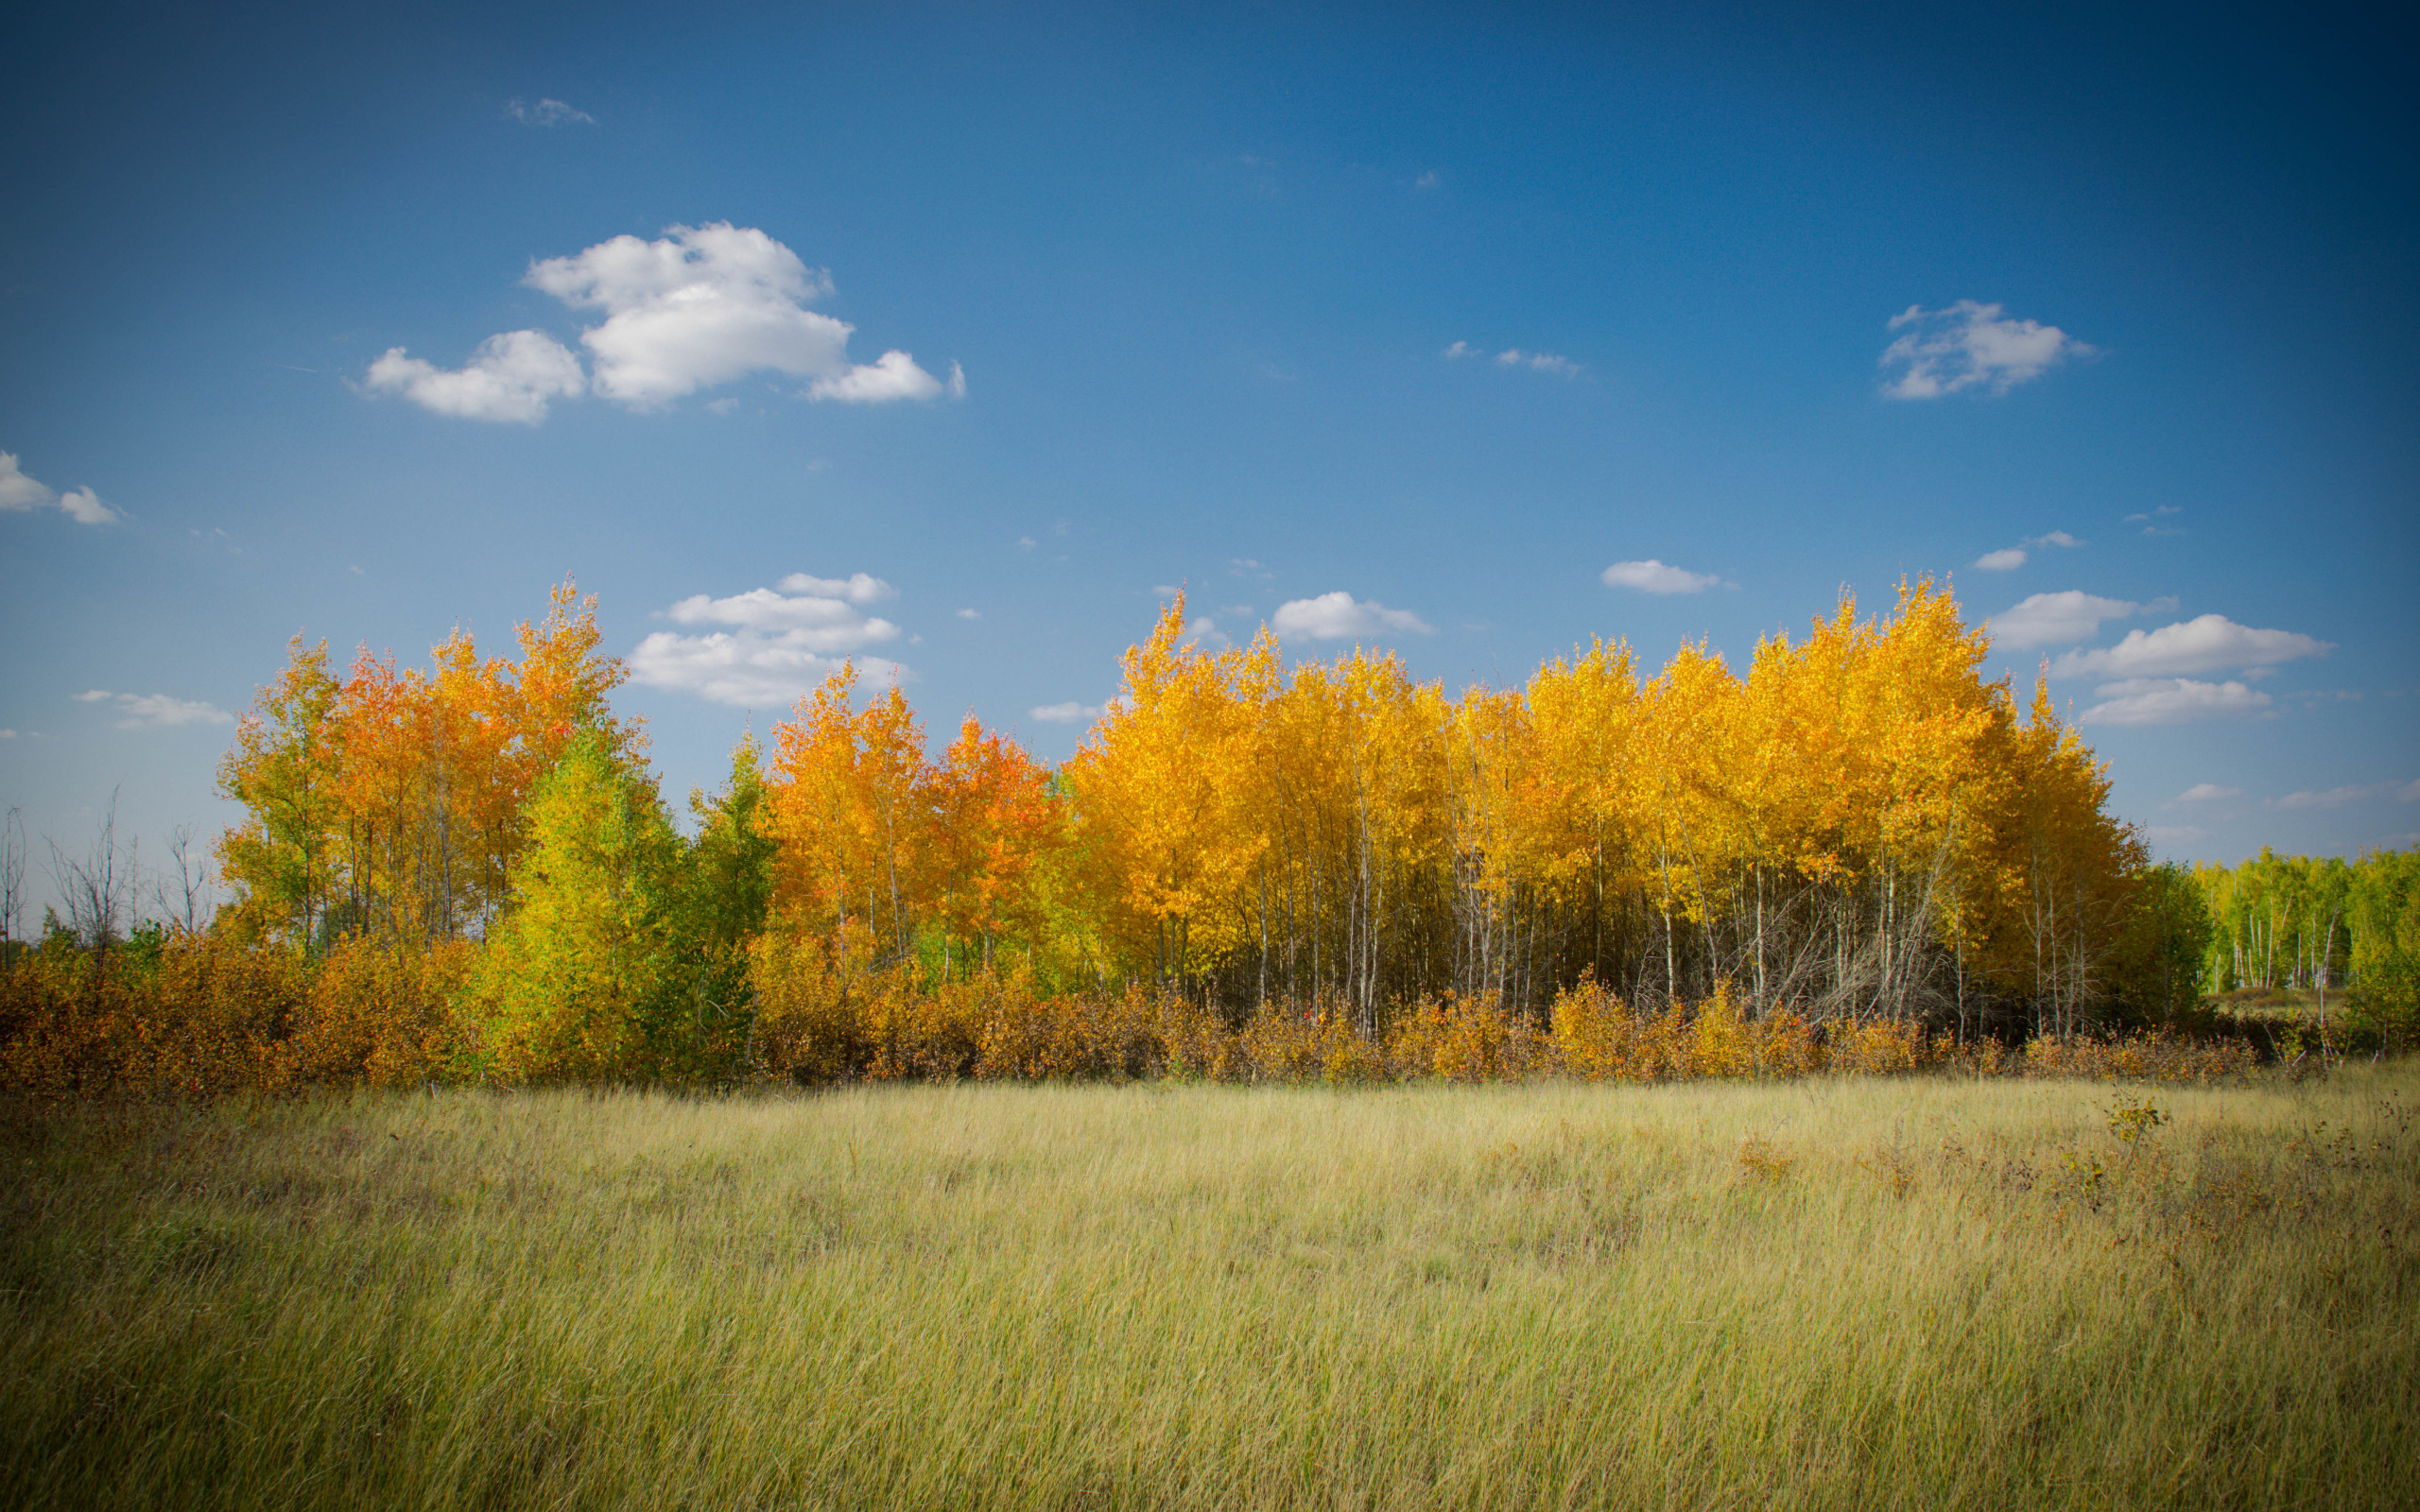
2169	701
777	643
2209	643
510	377
1070	712
1971	345
1653	576
700	305
2057	619
1338	616
143	711
547	112
2207	793
19	494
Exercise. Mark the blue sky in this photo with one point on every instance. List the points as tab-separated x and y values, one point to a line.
1512	326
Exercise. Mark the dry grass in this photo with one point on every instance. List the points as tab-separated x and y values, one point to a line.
1912	1293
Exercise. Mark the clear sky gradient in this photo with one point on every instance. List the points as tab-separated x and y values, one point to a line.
1470	332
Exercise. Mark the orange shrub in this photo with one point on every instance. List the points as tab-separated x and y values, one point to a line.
171	1016
383	1015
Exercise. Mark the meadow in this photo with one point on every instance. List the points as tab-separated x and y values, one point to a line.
1910	1292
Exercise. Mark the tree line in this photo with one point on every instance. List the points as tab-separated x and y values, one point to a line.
1857	830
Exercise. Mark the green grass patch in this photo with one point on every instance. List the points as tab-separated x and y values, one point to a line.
1913	1293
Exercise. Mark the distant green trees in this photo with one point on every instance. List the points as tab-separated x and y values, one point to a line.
2320	924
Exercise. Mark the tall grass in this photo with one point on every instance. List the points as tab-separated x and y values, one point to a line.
1911	1293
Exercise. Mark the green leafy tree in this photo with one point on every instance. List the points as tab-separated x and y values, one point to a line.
580	979
726	888
2161	953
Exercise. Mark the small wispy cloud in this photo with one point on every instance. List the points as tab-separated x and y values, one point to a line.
1654	576
2011	556
19	494
144	710
2338	797
547	112
2206	792
1549	361
1070	712
1971	345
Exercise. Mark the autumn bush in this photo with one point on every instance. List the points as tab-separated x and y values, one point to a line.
2152	1056
198	1015
165	1015
382	1017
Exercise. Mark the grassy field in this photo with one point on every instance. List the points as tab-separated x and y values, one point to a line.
1913	1293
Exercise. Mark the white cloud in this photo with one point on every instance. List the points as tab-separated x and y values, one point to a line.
1338	616
2210	643
858	588
1653	576
780	644
2169	701
2013	557
20	493
1070	712
1969	345
2338	797
699	306
2174	835
894	375
970	613
85	508
1204	631
145	710
2057	619
1562	366
509	378
547	112
2207	793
